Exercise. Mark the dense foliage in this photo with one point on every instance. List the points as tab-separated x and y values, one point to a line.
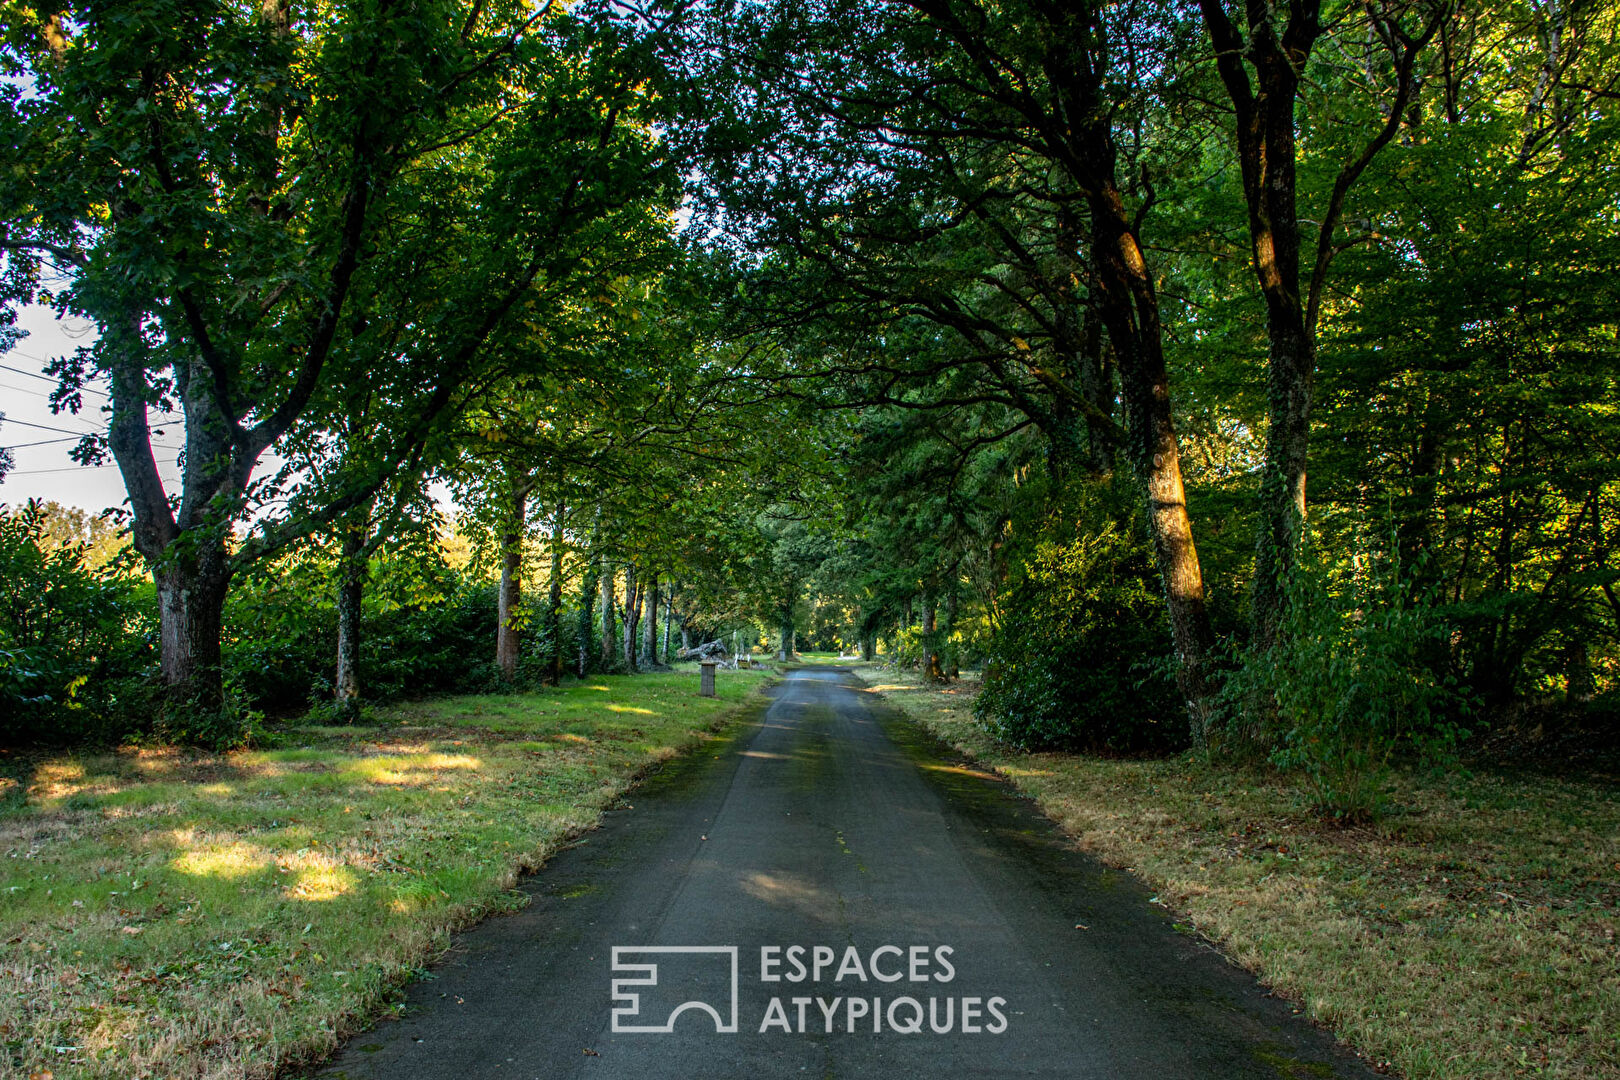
1079	658
969	336
75	642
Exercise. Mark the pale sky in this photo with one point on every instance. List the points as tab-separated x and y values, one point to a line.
44	470
40	439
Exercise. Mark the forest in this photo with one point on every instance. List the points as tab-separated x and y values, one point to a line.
547	337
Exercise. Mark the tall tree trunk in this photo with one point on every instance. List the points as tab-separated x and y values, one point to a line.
1580	686
352	571
868	646
930	640
610	604
1128	305
1077	134
1276	42
1096	378
191	616
508	629
1289	380
953	667
786	652
587	616
554	601
649	628
632	615
1264	120
185	550
669	618
1413	533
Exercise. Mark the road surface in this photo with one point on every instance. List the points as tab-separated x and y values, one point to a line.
832	841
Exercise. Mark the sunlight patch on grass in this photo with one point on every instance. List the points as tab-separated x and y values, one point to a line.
228	859
322	882
171	913
960	770
406	770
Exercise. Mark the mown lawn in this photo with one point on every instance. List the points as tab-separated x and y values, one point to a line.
1470	935
170	914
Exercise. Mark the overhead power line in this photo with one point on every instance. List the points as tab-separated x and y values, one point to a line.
44	378
25	371
70	468
42	442
47	427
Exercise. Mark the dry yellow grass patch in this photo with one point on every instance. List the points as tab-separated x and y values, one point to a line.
1472	935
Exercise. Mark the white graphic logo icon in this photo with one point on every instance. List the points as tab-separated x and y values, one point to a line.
627	999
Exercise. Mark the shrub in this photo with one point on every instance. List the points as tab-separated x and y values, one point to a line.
74	642
425	628
1345	693
1082	665
437	645
280	640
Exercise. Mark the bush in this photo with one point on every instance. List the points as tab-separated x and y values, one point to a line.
1084	663
280	637
443	645
1346	692
74	642
425	628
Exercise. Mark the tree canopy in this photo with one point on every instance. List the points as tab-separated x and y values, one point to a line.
1001	337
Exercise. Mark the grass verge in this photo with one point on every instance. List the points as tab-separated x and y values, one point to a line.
1470	935
165	914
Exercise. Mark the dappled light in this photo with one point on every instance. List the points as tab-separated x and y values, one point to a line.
320	882
219	890
496	401
409	769
209	856
959	770
805	897
159	761
57	779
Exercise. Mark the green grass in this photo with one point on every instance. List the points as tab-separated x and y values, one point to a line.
1470	935
169	914
810	659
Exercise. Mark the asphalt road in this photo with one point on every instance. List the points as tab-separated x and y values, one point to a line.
937	897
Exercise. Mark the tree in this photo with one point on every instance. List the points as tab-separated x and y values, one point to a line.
858	95
277	205
1278	46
